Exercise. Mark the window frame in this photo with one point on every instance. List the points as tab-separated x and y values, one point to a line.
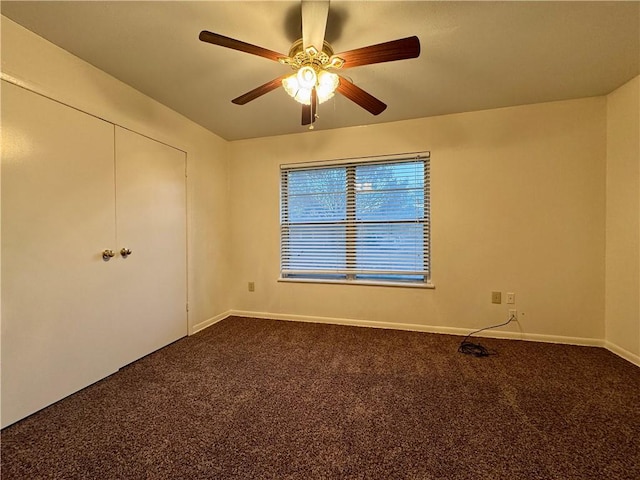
351	223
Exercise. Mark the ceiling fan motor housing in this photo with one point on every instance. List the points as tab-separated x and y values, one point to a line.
299	57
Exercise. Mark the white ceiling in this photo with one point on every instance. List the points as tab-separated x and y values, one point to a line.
475	55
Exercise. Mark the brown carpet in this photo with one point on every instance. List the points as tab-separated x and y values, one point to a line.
253	399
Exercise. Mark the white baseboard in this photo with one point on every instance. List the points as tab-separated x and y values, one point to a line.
207	323
593	342
621	352
535	337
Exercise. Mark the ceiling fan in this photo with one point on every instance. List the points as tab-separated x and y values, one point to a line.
313	62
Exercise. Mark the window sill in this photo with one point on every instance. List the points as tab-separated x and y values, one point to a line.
359	282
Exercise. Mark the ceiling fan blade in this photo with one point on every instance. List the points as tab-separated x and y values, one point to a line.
306	114
217	39
359	96
309	111
259	91
314	105
314	23
382	52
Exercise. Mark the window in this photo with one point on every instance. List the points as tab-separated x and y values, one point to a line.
356	221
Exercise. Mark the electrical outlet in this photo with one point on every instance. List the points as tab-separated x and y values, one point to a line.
496	297
513	314
252	287
511	298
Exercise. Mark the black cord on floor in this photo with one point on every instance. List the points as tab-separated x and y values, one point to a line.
477	350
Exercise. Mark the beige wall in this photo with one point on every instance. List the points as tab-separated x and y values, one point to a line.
33	62
518	205
622	313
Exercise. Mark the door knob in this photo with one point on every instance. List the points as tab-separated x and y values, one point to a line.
125	252
107	254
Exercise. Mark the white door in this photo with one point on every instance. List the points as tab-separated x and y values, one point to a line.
151	222
58	300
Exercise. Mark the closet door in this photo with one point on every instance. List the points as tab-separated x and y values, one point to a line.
58	300
151	222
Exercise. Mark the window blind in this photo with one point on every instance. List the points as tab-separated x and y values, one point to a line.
363	220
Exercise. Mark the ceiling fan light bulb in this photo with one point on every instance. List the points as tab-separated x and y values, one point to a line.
303	96
307	77
290	85
323	97
327	84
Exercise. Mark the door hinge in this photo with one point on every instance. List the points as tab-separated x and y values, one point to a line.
187	306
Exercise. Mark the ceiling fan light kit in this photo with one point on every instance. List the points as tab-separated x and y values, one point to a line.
312	82
325	84
311	73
